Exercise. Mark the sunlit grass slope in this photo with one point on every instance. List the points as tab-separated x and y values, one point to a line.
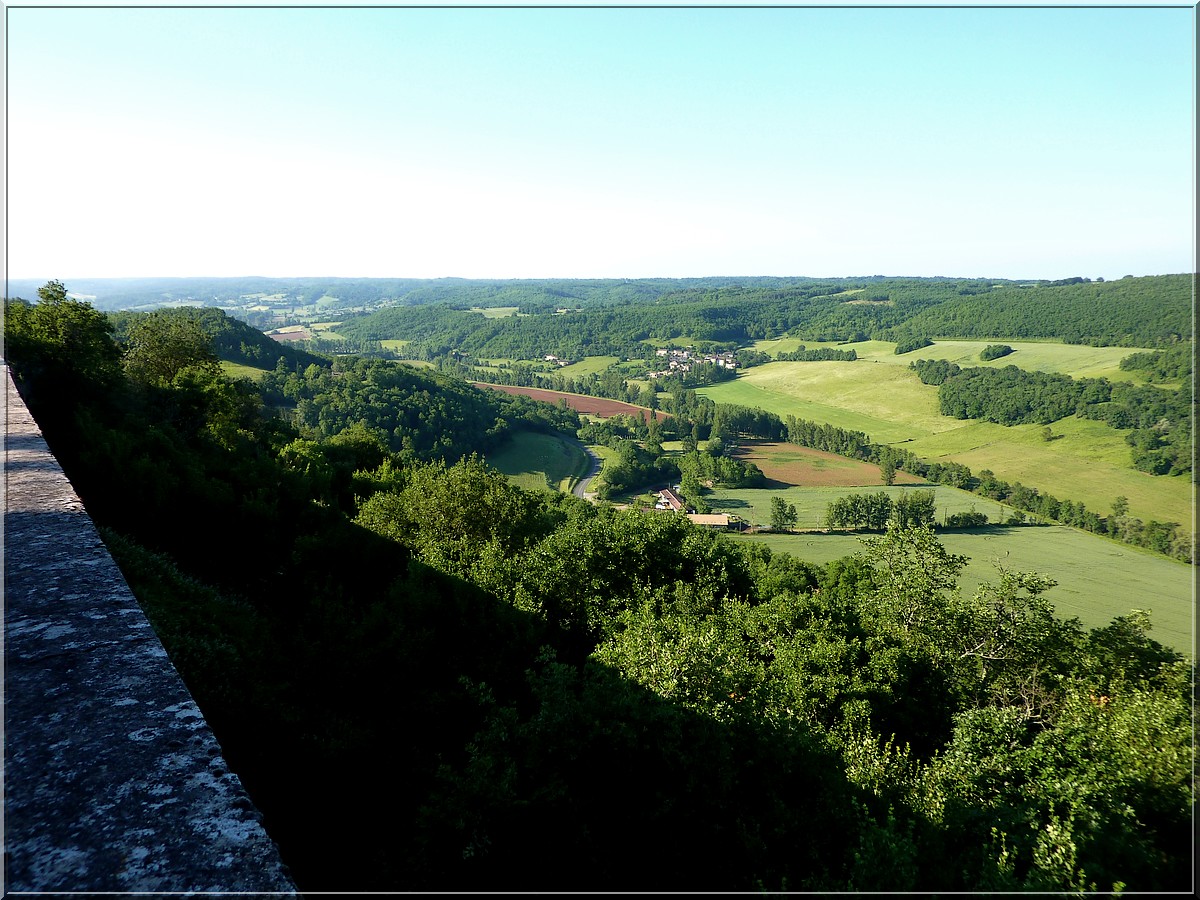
1087	461
1076	360
537	461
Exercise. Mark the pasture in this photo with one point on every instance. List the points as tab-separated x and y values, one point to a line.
1076	360
537	461
589	365
790	464
496	312
1086	462
326	330
239	370
1098	579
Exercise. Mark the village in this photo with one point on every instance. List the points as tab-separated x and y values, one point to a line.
681	361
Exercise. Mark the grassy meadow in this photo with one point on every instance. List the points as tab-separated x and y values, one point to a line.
1098	579
589	365
326	330
239	370
1086	461
537	461
1076	360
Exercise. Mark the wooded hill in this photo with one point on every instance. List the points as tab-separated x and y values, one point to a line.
1146	312
429	679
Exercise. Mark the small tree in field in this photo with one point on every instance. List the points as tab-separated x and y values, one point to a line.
783	514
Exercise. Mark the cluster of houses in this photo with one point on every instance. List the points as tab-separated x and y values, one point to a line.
680	361
668	499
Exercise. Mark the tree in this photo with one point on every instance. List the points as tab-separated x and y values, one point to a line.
783	514
162	344
59	348
887	469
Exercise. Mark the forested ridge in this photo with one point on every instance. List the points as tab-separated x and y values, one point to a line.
1139	312
429	679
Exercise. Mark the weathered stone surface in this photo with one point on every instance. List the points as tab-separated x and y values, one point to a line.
112	780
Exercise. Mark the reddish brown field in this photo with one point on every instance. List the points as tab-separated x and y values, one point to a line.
594	406
793	464
286	336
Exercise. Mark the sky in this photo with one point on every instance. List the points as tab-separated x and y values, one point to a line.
600	142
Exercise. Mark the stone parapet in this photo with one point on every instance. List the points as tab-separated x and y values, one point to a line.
113	781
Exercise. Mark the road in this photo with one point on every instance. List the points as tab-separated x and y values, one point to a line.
581	488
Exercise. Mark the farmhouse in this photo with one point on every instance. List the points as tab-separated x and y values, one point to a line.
668	499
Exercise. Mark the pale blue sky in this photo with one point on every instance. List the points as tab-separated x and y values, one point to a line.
1016	142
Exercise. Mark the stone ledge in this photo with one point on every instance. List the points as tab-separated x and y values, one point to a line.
113	780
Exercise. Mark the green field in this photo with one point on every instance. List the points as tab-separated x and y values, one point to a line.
1088	462
325	330
537	461
496	312
589	365
237	370
394	344
1098	579
1076	360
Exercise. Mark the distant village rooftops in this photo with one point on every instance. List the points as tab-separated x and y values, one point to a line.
680	361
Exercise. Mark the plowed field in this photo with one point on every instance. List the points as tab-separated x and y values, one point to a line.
594	406
796	465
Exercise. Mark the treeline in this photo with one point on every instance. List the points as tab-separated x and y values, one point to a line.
874	511
1159	420
1173	364
818	354
542	695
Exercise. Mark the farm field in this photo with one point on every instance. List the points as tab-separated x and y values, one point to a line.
1076	360
238	370
589	365
326	330
791	464
537	461
581	403
1098	579
891	405
496	312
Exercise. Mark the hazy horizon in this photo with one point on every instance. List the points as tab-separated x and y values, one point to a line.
489	143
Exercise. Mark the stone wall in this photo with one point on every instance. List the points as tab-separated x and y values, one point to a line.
113	781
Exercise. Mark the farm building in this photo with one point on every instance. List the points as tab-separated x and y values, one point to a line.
721	521
668	499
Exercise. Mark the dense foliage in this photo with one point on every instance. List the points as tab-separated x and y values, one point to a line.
1159	419
874	511
994	351
429	679
1153	312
